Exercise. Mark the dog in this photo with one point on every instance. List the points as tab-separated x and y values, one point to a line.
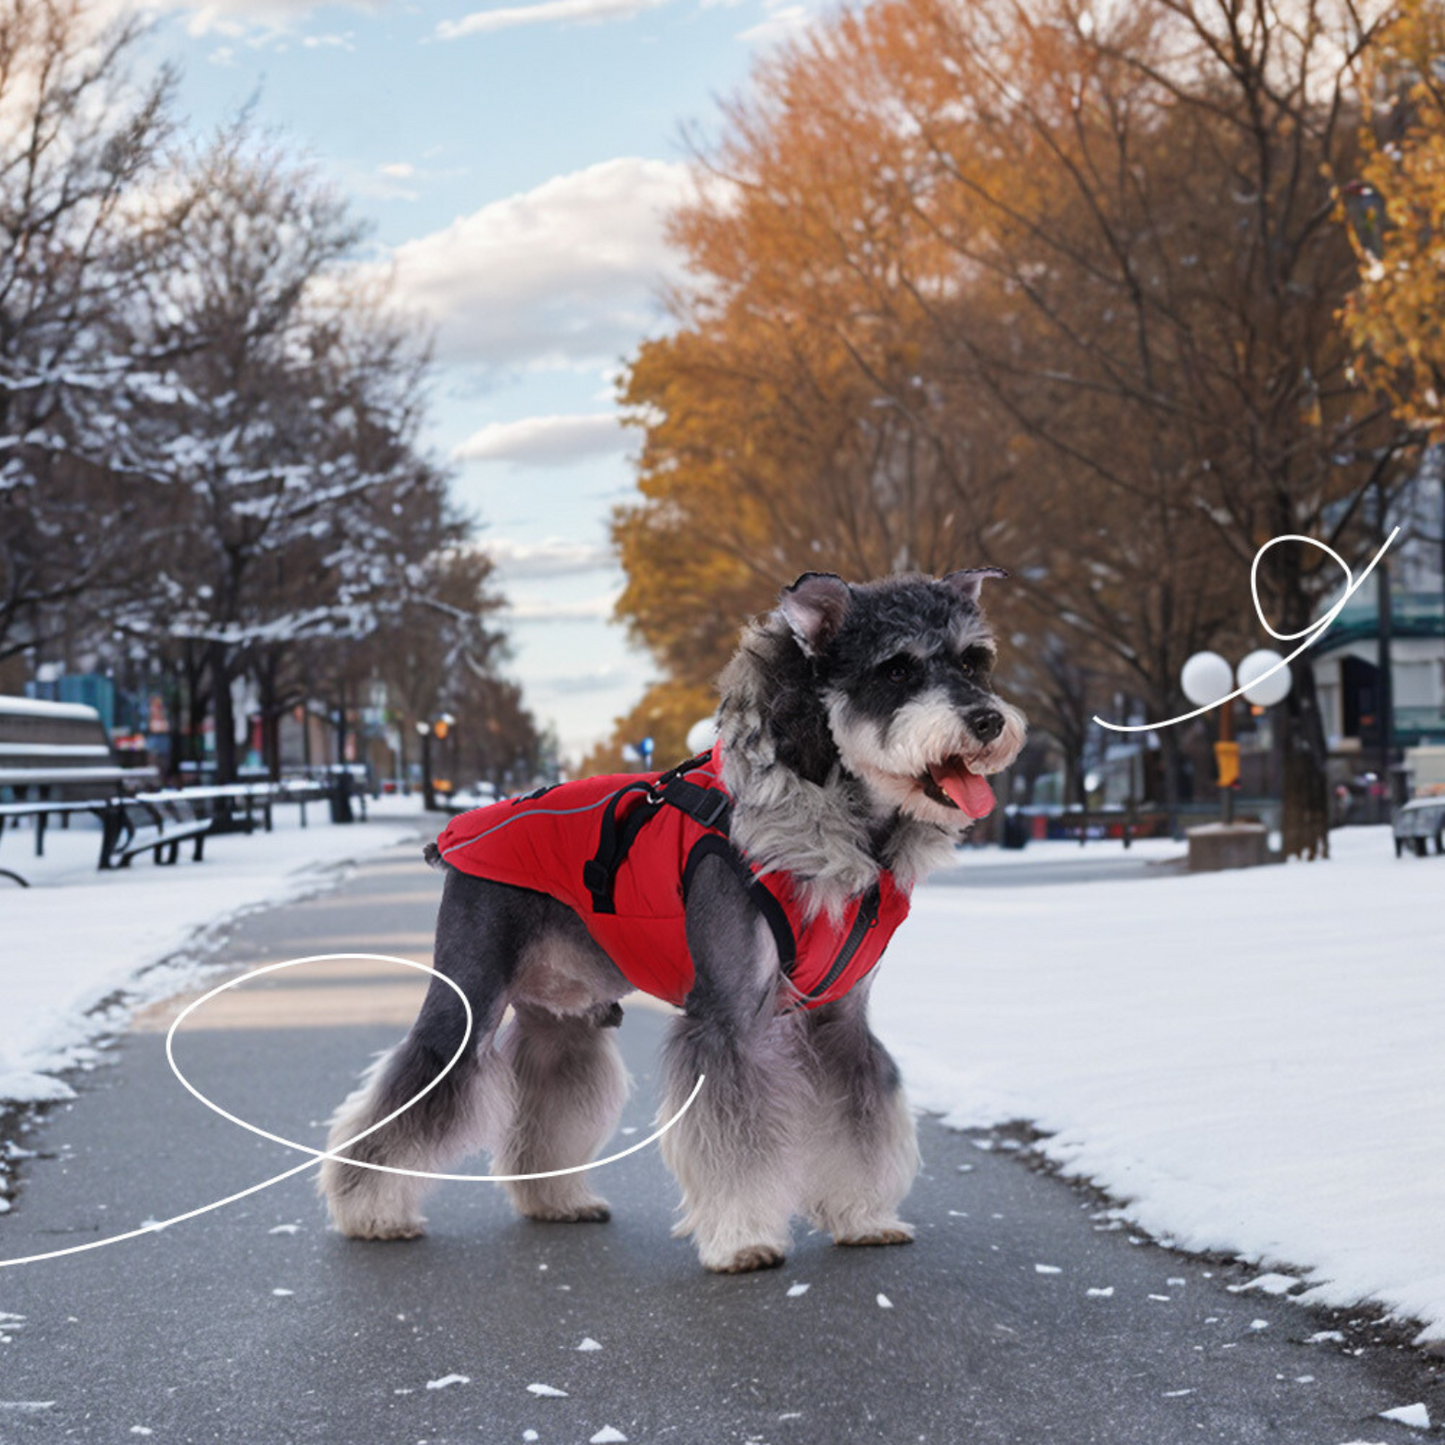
856	726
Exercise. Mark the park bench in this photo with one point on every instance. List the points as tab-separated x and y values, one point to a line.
154	823
56	761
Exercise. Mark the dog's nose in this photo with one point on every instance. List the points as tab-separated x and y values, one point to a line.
986	724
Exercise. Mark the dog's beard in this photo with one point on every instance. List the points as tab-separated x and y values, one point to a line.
925	761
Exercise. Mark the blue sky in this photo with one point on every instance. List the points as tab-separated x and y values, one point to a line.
515	162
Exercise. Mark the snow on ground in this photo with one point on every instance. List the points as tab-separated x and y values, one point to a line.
77	935
1252	1060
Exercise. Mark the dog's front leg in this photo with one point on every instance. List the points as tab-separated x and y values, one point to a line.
736	1152
863	1148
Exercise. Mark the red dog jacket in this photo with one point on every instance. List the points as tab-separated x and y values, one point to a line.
621	851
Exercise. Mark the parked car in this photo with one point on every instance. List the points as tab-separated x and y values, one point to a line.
1417	823
477	795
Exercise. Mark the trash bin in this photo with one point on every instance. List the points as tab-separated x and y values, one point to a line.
1015	829
341	797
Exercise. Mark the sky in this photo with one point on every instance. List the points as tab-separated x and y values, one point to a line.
516	163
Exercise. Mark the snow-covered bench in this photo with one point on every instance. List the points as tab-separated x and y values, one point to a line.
157	825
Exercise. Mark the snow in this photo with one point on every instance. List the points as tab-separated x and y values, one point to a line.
608	1436
549	1391
1277	1284
1249	1060
795	1291
588	1345
884	1303
1417	1417
447	1381
77	935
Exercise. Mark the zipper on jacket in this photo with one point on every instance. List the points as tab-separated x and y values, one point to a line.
867	917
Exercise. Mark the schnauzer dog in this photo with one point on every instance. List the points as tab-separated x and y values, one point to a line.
756	886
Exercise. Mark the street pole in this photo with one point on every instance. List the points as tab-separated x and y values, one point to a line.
428	793
1227	751
1385	698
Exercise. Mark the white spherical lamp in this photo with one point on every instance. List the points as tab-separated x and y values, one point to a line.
701	736
1206	678
1260	690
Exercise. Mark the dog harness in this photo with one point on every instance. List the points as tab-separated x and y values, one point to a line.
622	851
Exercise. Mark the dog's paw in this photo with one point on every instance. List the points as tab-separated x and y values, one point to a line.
894	1233
595	1211
383	1229
749	1258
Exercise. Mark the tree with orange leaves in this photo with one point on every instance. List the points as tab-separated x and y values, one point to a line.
1396	206
1052	286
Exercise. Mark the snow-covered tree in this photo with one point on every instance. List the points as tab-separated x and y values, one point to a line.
285	424
78	138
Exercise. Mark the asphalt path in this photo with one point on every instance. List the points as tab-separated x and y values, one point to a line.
1023	1314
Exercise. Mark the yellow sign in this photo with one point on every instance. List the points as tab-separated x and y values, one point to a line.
1226	759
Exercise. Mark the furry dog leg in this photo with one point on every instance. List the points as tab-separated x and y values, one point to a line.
570	1088
863	1148
465	1112
736	1151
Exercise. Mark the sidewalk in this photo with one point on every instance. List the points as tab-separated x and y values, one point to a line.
73	941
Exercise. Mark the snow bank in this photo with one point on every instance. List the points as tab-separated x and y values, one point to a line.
1252	1060
77	935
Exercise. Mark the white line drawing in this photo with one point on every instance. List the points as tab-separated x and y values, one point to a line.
1311	634
318	1155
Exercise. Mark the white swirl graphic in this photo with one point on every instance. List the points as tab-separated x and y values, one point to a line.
318	1155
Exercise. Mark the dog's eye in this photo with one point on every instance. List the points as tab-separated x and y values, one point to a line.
898	669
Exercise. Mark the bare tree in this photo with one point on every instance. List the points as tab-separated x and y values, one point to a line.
78	139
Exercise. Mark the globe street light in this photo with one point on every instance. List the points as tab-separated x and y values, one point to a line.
1207	679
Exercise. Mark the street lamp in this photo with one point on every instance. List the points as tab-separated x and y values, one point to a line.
1207	678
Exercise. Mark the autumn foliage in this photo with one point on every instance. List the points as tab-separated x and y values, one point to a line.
1047	285
1397	209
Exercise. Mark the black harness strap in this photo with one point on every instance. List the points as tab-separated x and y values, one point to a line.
599	873
708	806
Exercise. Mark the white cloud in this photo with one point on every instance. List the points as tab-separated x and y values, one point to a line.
580	12
544	441
554	557
398	170
607	679
562	275
592	610
242	17
783	22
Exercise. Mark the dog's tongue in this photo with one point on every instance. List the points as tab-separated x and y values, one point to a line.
969	790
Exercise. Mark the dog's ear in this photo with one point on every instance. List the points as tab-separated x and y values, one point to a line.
815	606
968	582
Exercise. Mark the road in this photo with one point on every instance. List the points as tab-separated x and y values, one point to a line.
256	1324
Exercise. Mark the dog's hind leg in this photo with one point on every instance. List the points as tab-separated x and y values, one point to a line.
467	1111
737	1150
863	1147
570	1088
